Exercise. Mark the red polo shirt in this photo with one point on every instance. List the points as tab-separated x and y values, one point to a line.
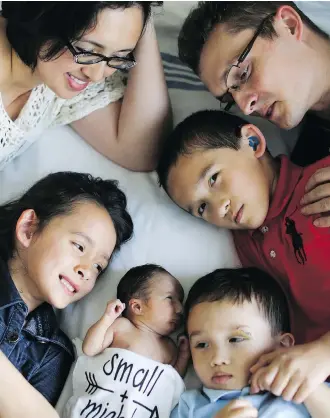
295	252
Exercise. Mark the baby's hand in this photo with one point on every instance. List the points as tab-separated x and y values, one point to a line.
183	347
238	408
114	308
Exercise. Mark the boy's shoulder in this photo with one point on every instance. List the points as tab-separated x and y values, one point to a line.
305	173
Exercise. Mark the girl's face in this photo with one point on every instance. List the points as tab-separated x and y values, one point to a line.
64	259
116	34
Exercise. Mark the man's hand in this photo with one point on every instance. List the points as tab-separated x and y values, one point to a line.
317	198
294	372
239	408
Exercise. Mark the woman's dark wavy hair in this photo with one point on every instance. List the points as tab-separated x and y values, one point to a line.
34	24
56	195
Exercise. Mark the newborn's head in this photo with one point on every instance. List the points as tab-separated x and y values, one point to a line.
152	296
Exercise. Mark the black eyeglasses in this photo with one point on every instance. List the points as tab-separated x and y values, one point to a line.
89	58
237	76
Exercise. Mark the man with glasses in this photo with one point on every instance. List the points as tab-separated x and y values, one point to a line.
271	60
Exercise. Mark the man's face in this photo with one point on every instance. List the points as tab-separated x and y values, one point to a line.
279	78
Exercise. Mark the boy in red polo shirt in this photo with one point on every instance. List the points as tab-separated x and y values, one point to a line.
216	166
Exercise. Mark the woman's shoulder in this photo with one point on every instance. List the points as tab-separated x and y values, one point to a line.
5	54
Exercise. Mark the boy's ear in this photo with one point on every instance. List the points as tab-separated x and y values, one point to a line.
136	306
26	227
286	340
253	138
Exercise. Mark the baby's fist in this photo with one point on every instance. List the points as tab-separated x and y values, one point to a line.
114	308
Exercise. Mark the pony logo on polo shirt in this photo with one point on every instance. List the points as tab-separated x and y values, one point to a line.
296	239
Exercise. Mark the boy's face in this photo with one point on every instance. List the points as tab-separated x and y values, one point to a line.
226	339
226	187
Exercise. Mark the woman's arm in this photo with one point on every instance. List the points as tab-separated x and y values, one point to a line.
130	132
18	398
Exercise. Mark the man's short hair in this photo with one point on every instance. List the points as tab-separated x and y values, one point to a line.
203	130
237	15
239	286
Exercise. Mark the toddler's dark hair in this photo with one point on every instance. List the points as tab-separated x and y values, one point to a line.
240	285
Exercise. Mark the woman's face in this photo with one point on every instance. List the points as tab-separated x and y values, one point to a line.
116	34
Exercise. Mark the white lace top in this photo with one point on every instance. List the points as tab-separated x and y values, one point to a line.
44	109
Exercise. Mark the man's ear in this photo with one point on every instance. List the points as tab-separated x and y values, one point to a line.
136	306
290	20
286	340
253	138
26	227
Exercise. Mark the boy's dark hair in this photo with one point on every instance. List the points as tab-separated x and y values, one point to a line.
136	283
237	15
203	130
240	285
33	24
56	195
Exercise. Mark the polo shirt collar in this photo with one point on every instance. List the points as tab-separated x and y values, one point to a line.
216	395
289	176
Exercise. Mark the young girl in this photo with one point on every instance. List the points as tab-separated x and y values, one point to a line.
54	243
132	351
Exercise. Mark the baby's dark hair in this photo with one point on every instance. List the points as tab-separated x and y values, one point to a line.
203	130
56	195
136	283
240	285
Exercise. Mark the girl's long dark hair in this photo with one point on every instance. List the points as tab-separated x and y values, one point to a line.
56	194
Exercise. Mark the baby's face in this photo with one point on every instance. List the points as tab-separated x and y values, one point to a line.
226	187
164	309
226	339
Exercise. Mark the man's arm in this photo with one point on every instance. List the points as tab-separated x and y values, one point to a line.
318	403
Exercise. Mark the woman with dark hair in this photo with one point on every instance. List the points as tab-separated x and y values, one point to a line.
67	63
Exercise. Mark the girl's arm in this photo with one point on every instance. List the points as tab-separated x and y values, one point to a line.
18	398
130	132
100	335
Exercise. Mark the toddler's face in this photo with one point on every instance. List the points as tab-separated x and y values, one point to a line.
226	339
225	187
163	309
66	257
